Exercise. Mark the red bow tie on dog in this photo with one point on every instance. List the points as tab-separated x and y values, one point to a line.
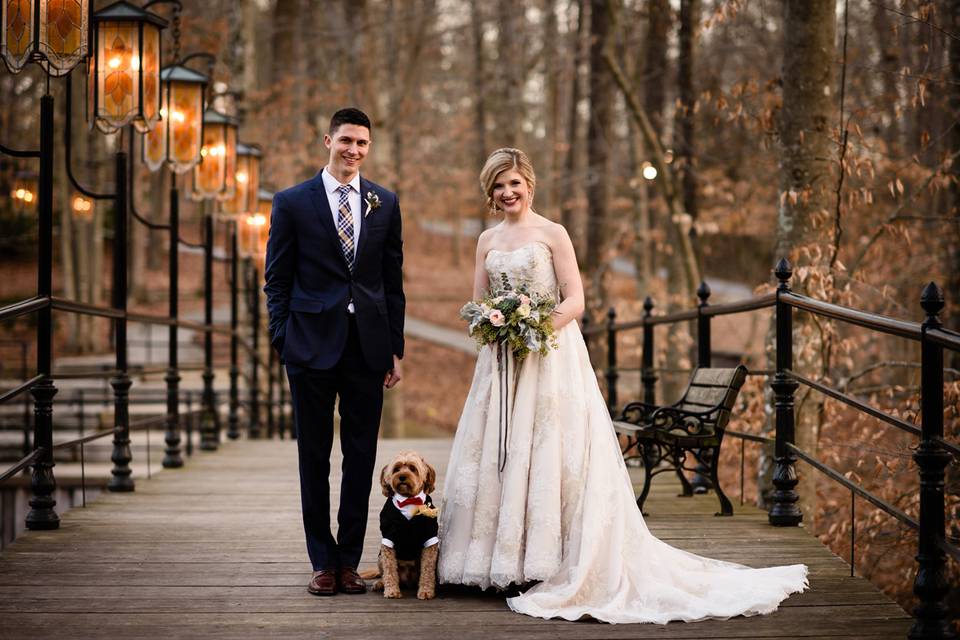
413	500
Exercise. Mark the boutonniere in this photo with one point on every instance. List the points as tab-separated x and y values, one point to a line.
373	202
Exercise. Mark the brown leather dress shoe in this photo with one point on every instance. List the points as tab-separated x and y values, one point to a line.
349	581
324	583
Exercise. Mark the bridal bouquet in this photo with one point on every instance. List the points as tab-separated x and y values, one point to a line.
514	318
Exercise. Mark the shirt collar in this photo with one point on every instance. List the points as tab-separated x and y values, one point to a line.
397	498
331	184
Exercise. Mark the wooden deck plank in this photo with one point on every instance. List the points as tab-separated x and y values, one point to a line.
216	550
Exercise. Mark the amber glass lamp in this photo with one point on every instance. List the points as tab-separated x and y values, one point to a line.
51	32
175	141
124	71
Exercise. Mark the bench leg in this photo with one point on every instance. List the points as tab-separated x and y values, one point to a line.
726	509
678	467
647	477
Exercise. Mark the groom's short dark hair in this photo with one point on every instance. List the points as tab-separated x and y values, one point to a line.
350	115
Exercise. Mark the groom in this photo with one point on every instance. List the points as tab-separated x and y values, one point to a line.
335	299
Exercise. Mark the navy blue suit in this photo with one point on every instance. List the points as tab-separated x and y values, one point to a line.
333	354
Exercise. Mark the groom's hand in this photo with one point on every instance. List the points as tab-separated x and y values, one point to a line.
393	376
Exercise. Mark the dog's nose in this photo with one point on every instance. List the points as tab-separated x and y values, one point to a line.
402	477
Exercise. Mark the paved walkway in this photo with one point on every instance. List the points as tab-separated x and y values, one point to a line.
215	550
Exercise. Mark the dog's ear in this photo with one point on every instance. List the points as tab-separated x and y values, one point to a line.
429	484
384	483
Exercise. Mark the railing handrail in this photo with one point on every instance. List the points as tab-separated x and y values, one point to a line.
23	307
877	322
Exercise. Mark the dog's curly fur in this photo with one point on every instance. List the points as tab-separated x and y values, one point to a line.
407	475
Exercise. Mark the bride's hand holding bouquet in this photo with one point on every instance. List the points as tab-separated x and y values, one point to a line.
513	317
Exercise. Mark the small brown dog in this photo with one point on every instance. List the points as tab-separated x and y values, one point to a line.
408	526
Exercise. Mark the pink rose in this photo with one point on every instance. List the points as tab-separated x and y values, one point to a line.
524	299
496	318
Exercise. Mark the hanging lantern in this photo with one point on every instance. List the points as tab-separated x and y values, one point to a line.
125	67
259	222
176	138
215	176
50	32
247	180
24	193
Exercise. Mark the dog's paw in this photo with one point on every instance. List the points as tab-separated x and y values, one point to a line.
393	594
426	594
377	586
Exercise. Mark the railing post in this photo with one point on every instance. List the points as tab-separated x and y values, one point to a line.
784	511
701	482
208	420
271	367
233	421
612	374
122	479
254	428
647	375
172	457
42	514
282	400
930	585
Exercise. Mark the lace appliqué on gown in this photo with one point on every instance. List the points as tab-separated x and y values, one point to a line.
563	510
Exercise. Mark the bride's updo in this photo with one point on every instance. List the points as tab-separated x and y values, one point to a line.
502	160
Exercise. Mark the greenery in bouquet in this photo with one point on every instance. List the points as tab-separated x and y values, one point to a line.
513	316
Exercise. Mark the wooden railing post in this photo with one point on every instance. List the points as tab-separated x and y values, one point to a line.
647	375
701	482
42	514
930	585
172	457
784	511
612	374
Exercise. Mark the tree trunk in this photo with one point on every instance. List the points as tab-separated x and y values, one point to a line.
685	146
479	97
511	66
952	233
807	199
598	147
568	216
552	68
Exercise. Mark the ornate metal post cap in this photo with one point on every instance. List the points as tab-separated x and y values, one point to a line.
783	271
648	305
703	292
611	314
931	299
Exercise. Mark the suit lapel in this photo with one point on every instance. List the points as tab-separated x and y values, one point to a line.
361	241
321	206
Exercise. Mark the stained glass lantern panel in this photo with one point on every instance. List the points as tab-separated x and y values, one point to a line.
58	44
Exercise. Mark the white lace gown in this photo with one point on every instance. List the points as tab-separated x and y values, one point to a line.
563	511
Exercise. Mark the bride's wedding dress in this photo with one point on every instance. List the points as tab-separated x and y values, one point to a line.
562	511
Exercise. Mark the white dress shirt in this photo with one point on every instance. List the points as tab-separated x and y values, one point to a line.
331	185
332	188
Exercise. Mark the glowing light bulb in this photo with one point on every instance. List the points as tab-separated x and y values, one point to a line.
115	62
20	194
649	171
242	177
179	117
27	196
135	63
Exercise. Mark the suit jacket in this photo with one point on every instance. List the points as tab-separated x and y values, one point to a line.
309	284
408	536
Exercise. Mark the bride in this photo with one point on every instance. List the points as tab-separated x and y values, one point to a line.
562	511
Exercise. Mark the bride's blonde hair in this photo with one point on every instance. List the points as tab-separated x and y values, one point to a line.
502	160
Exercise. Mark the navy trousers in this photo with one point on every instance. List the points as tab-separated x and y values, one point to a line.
314	393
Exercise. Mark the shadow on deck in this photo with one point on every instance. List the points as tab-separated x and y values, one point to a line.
216	550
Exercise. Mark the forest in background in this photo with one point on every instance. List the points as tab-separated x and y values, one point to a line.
825	131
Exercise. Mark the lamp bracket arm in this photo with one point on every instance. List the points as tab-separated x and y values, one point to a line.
18	153
132	194
66	146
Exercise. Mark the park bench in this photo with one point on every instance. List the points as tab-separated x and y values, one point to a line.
663	436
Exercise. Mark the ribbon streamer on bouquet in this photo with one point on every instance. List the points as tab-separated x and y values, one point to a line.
503	433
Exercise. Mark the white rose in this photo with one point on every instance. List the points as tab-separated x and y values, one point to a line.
523	310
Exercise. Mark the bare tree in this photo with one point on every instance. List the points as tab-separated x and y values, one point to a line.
598	145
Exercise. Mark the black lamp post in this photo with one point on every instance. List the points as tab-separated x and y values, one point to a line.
214	179
54	35
175	144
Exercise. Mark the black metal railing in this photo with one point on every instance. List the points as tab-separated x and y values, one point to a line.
932	455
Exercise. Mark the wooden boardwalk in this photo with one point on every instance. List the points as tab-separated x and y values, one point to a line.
215	550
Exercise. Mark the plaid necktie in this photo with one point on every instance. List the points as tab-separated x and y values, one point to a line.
345	225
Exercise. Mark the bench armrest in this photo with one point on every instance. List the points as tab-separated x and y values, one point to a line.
637	412
671	418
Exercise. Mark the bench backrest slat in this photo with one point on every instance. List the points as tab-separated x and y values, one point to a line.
715	389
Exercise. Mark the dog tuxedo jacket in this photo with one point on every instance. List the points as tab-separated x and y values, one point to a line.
408	534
